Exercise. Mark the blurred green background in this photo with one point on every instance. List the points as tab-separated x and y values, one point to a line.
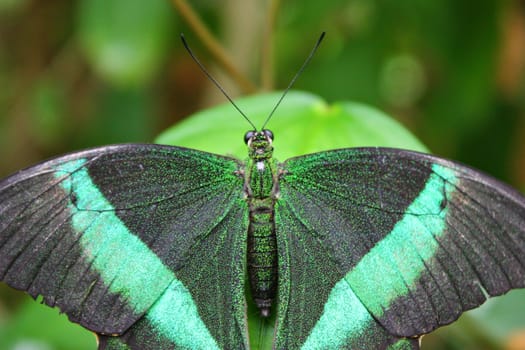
76	74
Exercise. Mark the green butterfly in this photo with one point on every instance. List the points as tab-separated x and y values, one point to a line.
354	248
153	247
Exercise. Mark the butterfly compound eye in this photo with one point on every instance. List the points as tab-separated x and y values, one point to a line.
248	136
268	134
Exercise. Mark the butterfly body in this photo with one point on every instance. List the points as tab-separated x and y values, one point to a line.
261	188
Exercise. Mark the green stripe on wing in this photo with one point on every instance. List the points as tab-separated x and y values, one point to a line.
128	267
386	272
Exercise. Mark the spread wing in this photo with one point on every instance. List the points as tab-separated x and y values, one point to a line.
379	246
132	239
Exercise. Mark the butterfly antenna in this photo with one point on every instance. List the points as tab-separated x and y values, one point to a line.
205	71
308	59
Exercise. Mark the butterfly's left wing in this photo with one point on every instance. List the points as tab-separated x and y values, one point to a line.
379	246
145	240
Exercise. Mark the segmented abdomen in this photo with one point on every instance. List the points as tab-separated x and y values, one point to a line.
262	254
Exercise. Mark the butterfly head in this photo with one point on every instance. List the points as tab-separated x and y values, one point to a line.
259	144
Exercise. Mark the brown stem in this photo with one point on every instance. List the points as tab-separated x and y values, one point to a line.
213	46
267	59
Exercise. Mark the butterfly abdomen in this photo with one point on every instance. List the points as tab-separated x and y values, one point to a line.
262	243
262	256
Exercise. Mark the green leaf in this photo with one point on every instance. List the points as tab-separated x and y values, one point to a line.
498	317
125	41
48	101
302	124
39	327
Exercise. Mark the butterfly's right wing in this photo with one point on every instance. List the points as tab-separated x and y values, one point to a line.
171	323
143	236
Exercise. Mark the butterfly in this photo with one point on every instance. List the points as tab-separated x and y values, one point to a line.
153	246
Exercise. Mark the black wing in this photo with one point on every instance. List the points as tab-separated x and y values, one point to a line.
379	246
115	233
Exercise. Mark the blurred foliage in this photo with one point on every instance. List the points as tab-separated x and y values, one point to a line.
112	32
75	74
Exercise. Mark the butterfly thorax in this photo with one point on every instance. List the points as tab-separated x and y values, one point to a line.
261	188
